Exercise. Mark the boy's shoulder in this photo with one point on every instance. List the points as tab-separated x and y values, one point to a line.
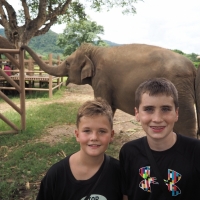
112	158
188	144
60	166
188	139
113	167
134	143
133	147
113	161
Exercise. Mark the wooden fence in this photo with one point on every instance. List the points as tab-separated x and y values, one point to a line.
17	81
34	77
20	88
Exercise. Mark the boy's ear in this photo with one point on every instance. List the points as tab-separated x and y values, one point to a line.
76	133
112	135
137	114
177	111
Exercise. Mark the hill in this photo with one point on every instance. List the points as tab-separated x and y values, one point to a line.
111	43
45	44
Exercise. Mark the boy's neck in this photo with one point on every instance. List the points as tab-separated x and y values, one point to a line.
164	144
84	167
89	160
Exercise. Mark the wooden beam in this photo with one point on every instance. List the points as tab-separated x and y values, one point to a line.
6	99
8	122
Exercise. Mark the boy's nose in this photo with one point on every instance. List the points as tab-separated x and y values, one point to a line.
157	117
94	135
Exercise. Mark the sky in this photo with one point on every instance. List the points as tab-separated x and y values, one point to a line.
172	24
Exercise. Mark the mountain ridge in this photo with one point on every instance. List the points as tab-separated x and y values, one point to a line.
45	44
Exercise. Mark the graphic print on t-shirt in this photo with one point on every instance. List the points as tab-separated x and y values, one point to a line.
95	197
173	178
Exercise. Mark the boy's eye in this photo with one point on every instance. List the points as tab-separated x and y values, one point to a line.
102	131
148	109
166	108
86	131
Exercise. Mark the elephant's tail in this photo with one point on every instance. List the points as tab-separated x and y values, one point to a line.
197	97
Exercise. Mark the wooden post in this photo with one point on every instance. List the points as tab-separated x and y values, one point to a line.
58	82
50	77
30	67
22	85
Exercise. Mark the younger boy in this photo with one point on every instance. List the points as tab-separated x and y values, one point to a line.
177	157
74	177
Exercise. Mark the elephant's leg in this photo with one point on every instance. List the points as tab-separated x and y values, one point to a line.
186	124
103	92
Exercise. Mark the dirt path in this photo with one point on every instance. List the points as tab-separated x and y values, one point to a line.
125	126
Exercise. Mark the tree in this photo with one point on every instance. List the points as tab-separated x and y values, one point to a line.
35	17
77	32
178	51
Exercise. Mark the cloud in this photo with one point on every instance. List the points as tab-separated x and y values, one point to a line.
172	24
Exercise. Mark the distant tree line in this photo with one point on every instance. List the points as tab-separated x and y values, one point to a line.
47	43
192	57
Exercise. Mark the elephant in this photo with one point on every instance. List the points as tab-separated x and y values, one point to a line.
115	72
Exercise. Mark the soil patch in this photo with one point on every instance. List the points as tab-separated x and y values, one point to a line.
125	126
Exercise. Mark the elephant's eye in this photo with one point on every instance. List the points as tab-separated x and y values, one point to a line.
67	63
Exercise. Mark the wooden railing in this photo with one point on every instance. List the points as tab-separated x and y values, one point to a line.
21	75
20	88
34	76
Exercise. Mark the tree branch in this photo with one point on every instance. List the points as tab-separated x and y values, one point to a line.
26	11
42	11
59	10
46	28
3	16
12	17
41	18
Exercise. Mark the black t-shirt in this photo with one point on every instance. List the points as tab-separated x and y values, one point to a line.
60	184
179	167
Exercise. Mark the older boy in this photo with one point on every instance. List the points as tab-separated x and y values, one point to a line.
74	177
177	158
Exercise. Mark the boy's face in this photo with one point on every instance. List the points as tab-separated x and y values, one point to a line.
94	135
157	115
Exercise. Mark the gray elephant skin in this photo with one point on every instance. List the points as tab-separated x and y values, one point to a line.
115	72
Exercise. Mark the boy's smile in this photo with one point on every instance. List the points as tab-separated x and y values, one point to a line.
94	135
157	115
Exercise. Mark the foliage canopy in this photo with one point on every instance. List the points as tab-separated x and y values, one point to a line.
77	32
35	17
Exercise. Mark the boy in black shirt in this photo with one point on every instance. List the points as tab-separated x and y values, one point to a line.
74	177
177	157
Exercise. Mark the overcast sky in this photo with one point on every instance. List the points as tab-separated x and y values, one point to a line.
173	24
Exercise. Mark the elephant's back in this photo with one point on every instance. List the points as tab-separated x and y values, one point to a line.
146	57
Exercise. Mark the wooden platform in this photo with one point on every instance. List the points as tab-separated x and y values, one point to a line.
53	82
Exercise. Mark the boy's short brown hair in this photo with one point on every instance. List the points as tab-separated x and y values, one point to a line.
155	87
95	107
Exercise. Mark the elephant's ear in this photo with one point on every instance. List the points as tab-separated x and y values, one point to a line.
88	69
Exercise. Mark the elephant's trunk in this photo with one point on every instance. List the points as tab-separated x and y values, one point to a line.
59	70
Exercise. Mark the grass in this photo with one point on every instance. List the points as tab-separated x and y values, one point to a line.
24	160
39	95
